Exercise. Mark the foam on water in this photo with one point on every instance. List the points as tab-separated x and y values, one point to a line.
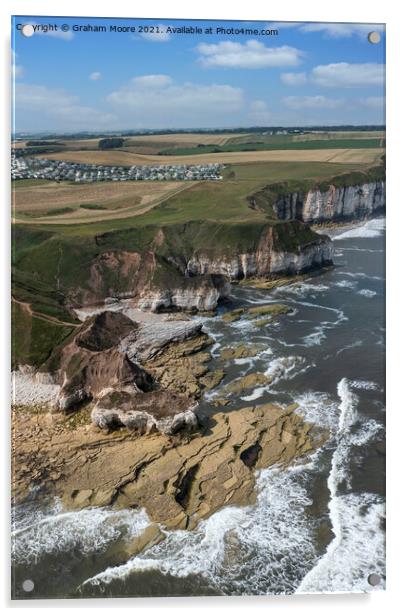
367	293
301	289
244	361
362	384
278	369
89	530
270	547
319	332
352	345
340	313
245	550
361	275
347	284
285	367
360	250
318	408
258	392
357	549
372	228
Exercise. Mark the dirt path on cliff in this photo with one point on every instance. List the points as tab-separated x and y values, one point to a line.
39	315
102	215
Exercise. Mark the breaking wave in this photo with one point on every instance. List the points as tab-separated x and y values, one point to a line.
245	550
372	228
88	531
357	549
367	293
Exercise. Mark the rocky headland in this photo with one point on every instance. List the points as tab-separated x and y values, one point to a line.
179	480
107	408
345	198
121	425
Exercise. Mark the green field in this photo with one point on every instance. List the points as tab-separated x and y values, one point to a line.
276	145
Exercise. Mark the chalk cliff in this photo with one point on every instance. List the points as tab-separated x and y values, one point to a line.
335	204
190	266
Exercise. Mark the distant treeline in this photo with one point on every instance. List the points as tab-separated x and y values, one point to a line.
40	143
212	131
110	142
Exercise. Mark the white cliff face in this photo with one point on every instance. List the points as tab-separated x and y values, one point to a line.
295	263
197	279
335	204
202	297
180	299
266	261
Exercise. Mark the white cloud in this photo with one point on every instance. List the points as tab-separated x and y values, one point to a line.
279	25
16	69
373	102
259	112
152	81
345	75
156	100
312	102
58	104
59	34
342	30
252	54
331	30
95	76
294	79
157	37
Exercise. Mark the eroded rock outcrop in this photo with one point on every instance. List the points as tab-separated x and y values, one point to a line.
142	376
143	413
91	362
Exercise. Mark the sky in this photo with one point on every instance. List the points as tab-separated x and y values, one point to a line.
68	79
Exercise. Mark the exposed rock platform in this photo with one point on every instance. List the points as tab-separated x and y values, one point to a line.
178	481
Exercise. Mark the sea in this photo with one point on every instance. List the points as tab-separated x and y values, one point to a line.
316	527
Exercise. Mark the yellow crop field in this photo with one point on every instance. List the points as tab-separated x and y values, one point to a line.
358	155
183	138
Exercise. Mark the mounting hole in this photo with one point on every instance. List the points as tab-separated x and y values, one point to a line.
27	30
28	585
374	37
374	579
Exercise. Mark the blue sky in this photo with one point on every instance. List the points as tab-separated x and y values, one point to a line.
309	73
